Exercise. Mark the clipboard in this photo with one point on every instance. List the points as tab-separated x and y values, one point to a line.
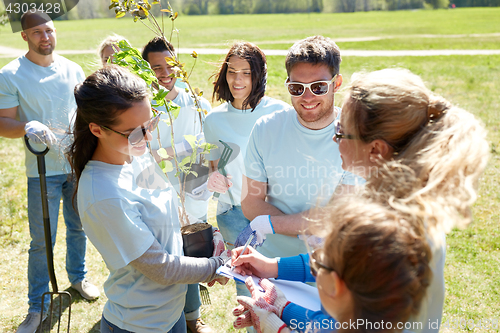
295	291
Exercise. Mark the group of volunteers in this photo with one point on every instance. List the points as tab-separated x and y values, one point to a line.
354	200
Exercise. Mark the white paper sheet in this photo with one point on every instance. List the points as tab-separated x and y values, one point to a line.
296	292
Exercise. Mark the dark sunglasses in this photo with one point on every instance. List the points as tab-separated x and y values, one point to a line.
339	135
315	264
138	134
318	88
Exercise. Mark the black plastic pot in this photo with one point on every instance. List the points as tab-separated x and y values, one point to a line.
199	244
193	181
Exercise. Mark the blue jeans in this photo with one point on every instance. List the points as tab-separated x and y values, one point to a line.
193	302
107	327
60	186
231	222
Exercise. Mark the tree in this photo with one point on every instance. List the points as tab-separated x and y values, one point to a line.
317	6
438	3
347	6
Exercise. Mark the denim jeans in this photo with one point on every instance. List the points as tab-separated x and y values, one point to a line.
193	302
231	222
107	327
60	186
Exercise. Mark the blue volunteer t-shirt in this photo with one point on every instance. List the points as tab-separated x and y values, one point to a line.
234	126
123	209
45	94
187	123
302	168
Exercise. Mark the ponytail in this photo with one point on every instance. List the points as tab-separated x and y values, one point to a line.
440	150
100	99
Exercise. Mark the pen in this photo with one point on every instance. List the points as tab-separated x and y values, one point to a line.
249	240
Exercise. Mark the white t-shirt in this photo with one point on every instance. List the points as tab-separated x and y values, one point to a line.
45	94
302	168
431	309
123	209
233	126
187	123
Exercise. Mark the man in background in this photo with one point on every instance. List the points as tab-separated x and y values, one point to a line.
36	99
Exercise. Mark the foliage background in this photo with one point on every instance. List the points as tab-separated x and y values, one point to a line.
92	9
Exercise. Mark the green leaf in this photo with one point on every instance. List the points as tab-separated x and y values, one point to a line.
174	109
185	161
166	166
166	121
162	153
120	14
162	93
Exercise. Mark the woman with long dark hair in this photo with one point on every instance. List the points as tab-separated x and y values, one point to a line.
128	208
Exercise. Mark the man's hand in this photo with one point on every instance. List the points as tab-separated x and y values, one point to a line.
39	133
262	225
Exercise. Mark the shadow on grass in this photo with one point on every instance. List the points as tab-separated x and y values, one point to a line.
59	319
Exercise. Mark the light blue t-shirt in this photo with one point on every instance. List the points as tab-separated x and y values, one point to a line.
45	94
123	209
302	168
233	126
187	123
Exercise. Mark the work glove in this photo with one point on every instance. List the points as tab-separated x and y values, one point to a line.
261	225
200	193
257	313
272	295
218	183
39	133
184	148
224	257
218	242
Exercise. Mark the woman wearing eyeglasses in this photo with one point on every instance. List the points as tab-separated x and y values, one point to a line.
419	154
128	208
373	270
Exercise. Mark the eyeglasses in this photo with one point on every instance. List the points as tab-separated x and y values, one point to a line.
138	134
318	88
339	135
315	265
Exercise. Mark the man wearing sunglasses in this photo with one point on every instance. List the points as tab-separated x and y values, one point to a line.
292	163
189	122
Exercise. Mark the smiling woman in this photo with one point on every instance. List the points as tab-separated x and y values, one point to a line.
241	83
128	208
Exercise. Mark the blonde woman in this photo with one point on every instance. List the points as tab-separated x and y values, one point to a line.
108	47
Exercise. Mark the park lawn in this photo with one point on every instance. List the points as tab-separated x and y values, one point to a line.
403	30
473	254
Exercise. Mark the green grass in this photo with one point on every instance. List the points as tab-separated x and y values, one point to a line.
473	254
281	30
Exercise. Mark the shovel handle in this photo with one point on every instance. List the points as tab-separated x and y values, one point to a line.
226	153
40	158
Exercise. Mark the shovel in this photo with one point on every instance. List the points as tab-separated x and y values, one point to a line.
40	157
